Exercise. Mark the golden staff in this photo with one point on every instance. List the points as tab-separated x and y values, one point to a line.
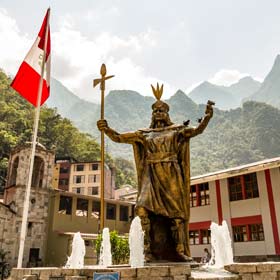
102	88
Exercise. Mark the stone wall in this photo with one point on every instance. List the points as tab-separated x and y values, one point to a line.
176	272
256	271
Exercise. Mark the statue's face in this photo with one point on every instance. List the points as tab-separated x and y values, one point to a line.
160	114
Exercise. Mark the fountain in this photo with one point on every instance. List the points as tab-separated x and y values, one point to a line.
136	243
105	250
221	245
76	259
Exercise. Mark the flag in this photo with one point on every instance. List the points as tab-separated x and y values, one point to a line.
27	79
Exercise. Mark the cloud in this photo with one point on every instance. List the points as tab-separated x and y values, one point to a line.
227	77
86	55
76	59
14	45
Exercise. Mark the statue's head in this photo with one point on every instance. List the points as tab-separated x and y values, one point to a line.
160	116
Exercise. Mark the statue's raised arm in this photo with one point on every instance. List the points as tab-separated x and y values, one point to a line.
191	132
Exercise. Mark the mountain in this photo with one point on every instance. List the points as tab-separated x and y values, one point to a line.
68	104
245	87
206	91
269	92
225	97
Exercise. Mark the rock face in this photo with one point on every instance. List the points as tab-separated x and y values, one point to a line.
269	91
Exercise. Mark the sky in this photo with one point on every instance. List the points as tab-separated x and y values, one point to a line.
179	43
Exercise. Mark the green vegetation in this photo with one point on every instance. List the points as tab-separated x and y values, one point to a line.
119	248
16	123
126	173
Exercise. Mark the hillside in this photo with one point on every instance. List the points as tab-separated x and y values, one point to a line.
234	137
55	132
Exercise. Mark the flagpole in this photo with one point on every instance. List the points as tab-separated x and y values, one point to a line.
35	132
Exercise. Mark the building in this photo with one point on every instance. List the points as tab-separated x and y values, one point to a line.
72	212
54	214
83	177
247	198
12	207
61	173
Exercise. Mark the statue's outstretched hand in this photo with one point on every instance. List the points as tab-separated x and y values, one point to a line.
209	108
102	124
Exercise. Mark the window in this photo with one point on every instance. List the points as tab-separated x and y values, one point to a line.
256	232
29	229
79	179
204	194
63	170
79	167
63	182
93	178
205	236
65	205
193	196
94	190
94	166
235	188
194	237
199	195
82	207
78	190
95	209
239	233
243	187
123	213
111	211
251	185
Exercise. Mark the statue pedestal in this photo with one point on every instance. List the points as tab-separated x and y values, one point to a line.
158	272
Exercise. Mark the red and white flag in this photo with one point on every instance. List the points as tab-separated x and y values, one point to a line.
27	79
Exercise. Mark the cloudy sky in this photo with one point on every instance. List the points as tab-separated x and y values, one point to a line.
179	43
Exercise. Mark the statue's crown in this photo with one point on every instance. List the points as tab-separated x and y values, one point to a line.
157	91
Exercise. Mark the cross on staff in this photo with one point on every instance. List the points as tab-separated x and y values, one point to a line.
102	88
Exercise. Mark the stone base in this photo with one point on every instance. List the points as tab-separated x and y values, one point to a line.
159	272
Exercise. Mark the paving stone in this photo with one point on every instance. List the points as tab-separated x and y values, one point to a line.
241	268
180	277
275	266
127	272
29	277
265	276
247	276
180	270
261	267
75	278
152	271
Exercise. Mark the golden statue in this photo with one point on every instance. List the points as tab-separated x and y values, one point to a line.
163	168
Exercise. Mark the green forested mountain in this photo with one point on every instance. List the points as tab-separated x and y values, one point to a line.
16	122
234	137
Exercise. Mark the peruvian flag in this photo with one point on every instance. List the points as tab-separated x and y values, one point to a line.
27	79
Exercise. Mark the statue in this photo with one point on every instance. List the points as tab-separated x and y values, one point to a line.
163	169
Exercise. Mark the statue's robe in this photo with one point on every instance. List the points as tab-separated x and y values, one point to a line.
163	170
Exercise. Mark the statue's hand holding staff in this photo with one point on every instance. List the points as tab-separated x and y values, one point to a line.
102	125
